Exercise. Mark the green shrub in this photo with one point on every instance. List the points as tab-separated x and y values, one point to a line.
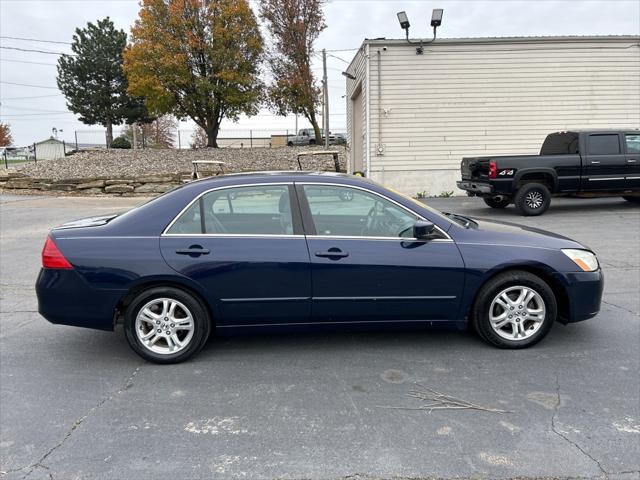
120	142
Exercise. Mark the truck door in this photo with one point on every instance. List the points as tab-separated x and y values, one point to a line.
632	143
606	164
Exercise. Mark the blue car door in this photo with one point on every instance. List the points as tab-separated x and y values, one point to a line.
244	246
365	266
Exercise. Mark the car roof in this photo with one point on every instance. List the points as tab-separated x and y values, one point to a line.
599	130
279	175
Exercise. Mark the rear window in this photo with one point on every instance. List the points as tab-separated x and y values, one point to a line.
604	144
564	143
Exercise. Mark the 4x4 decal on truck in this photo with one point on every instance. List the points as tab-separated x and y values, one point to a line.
507	172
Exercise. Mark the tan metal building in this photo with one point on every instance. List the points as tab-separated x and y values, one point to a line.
411	118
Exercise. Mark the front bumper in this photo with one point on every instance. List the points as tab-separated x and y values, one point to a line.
475	188
584	292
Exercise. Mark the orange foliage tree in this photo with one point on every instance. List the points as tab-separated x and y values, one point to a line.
294	26
198	59
5	135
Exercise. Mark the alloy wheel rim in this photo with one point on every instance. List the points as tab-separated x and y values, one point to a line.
517	313
534	199
164	326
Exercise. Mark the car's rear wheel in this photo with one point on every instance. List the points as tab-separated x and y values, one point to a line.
533	199
166	325
497	201
515	309
631	198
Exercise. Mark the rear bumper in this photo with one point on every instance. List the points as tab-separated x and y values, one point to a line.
584	291
64	298
475	188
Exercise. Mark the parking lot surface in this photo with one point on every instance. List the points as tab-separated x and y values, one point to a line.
78	403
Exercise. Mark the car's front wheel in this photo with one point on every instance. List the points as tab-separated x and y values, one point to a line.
166	325
515	309
497	201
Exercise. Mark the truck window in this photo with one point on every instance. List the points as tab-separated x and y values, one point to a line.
604	144
633	143
561	143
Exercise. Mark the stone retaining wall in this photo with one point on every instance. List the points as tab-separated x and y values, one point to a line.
143	185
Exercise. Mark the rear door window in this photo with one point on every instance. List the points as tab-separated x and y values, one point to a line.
254	210
608	144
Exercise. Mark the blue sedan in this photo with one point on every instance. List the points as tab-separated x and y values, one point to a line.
268	252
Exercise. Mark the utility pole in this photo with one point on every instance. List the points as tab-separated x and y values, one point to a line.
325	109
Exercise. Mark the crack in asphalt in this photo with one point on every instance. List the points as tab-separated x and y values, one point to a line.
40	463
621	308
558	432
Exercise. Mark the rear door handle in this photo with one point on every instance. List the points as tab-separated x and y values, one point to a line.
193	250
632	160
333	253
595	162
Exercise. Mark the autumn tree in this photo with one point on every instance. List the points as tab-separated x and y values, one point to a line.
198	59
93	81
294	26
5	135
160	133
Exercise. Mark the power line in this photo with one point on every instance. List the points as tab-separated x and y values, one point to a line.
45	114
34	40
30	97
11	60
37	51
28	85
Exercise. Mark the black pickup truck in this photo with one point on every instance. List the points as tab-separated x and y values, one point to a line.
585	163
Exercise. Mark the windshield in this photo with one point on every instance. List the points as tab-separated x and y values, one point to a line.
435	212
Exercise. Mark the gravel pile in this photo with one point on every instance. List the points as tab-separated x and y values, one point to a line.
133	163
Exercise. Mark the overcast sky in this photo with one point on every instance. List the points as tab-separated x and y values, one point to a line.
348	21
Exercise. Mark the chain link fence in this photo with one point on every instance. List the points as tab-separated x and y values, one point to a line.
189	138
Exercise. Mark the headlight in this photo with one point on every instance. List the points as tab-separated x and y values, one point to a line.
585	259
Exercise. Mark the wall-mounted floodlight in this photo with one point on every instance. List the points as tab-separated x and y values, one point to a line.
404	20
436	17
349	76
436	21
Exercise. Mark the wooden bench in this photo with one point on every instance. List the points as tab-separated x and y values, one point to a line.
313	153
196	171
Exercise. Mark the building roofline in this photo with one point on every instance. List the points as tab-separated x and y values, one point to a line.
498	40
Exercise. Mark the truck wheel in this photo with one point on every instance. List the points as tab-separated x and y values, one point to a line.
312	142
289	144
497	201
631	199
533	199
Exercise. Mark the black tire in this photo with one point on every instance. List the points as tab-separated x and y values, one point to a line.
632	199
312	142
289	144
532	199
497	201
199	314
480	313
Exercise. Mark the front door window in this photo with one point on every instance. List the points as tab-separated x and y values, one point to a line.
349	212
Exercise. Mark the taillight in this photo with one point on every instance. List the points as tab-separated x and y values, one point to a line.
493	169
52	257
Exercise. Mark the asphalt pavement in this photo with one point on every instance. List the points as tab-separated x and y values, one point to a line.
78	403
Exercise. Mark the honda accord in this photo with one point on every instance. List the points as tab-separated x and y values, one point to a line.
298	251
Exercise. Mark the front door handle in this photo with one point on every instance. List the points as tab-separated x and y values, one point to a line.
333	253
632	160
595	162
193	250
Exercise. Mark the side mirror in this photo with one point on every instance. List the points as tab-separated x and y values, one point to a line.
422	230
